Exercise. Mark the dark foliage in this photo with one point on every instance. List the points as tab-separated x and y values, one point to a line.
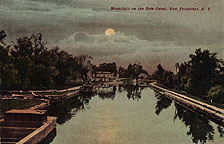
201	76
29	64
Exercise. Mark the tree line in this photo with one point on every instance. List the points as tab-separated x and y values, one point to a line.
29	64
201	76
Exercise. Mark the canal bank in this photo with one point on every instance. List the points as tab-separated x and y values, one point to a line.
212	112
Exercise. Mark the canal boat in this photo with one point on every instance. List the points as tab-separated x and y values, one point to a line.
88	89
26	126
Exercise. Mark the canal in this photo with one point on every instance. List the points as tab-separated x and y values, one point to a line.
130	115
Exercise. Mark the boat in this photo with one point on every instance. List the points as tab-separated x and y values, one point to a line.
26	126
88	89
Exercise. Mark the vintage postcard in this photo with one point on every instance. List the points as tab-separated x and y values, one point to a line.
112	71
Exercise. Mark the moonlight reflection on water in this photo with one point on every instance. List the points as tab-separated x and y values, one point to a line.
130	114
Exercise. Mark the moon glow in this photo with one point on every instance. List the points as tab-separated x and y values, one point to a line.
109	32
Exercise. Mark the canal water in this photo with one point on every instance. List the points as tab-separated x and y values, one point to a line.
130	115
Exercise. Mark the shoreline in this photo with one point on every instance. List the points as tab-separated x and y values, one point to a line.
214	113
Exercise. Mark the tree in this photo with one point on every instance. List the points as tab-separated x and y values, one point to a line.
8	73
177	65
2	35
166	78
182	75
109	67
28	64
159	73
216	94
123	73
202	72
26	57
134	71
85	65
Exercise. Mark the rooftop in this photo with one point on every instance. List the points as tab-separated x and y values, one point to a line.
25	111
103	72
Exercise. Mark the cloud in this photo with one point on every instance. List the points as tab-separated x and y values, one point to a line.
145	36
99	44
124	49
57	19
25	5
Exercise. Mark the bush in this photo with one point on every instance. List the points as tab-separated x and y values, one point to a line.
216	94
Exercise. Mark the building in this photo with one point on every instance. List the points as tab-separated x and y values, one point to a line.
103	76
143	76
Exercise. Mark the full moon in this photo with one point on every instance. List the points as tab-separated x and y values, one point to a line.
109	32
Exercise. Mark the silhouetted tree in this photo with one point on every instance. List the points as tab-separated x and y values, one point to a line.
135	70
28	64
202	72
165	77
199	74
123	73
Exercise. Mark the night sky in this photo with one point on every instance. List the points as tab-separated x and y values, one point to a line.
148	37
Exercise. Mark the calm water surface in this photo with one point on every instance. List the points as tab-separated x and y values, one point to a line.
130	115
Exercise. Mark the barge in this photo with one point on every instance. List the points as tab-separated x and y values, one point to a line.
26	126
87	89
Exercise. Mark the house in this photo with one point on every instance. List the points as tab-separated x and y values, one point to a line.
103	76
143	76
